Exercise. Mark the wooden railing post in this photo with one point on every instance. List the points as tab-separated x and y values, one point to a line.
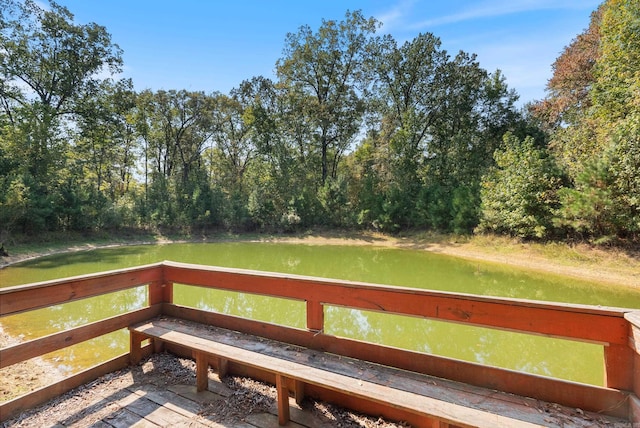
160	292
315	316
634	344
618	366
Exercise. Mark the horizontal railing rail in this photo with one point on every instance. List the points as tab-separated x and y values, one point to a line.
21	298
616	329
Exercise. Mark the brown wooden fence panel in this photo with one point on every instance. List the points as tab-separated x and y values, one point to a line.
28	297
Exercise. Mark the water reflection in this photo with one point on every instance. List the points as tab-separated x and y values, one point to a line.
539	355
268	309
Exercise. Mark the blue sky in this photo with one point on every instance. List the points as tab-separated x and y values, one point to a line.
204	45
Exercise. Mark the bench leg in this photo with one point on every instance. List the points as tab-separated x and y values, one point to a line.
222	368
440	424
158	346
202	372
298	393
135	347
283	399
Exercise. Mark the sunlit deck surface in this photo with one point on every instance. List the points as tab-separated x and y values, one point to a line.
161	391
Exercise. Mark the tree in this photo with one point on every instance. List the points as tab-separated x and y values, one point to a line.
604	204
233	134
271	172
439	119
103	157
596	137
48	64
408	88
175	127
322	72
520	194
616	90
105	142
568	90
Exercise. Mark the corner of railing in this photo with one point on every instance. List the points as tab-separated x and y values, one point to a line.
161	290
634	343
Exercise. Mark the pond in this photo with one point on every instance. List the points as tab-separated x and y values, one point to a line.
403	267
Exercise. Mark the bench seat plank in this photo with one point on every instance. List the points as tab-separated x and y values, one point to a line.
388	385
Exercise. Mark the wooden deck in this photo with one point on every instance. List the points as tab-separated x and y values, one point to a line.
161	391
155	393
483	407
496	391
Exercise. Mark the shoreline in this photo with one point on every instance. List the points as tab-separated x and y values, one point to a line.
624	273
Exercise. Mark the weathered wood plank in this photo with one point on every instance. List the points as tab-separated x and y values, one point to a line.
264	420
619	364
213	392
22	298
202	370
283	399
169	399
135	347
160	292
578	322
407	401
223	367
37	347
124	418
315	316
586	397
634	333
634	412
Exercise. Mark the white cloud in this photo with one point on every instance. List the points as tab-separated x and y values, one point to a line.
395	16
523	46
494	8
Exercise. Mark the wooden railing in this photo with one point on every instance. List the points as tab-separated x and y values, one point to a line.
617	330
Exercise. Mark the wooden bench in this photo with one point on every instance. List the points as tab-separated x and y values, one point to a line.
295	375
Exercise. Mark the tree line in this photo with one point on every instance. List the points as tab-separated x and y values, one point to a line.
355	131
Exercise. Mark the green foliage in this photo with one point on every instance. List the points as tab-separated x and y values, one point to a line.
520	194
616	91
321	72
357	131
439	119
465	206
335	202
605	202
593	111
590	207
48	67
625	166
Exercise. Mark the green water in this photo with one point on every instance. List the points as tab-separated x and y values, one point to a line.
410	268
